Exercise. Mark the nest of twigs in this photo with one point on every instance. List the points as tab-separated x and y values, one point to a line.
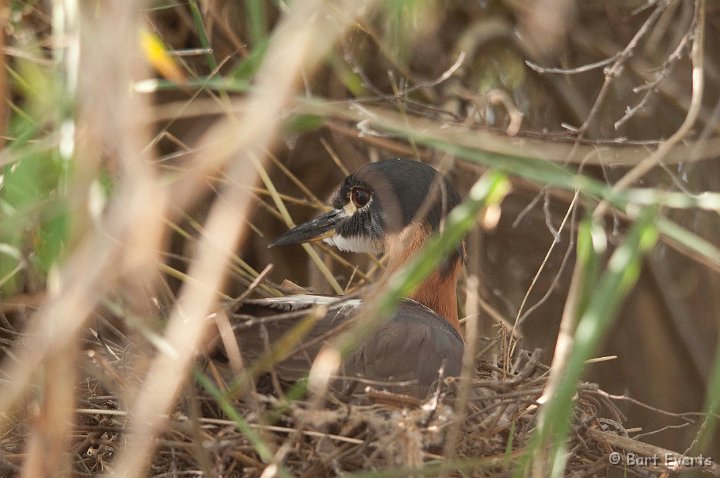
386	433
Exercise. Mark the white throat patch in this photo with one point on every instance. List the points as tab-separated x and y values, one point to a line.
354	244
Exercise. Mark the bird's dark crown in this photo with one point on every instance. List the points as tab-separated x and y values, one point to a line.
387	196
399	192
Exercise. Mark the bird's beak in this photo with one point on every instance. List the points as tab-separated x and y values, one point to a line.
313	230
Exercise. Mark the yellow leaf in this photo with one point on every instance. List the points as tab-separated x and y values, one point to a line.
159	58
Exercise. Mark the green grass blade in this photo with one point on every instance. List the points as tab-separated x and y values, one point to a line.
688	239
262	449
249	66
614	285
256	18
712	408
224	84
202	34
591	244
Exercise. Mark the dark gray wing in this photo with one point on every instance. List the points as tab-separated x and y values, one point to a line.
411	346
265	329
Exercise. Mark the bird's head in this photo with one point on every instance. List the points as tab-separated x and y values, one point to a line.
379	204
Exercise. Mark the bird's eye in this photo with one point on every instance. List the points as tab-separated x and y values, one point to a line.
360	197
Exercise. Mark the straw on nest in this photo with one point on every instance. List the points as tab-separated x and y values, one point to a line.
392	434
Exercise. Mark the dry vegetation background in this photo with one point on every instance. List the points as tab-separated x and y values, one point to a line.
152	149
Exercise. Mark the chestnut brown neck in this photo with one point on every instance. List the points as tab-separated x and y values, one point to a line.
439	290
